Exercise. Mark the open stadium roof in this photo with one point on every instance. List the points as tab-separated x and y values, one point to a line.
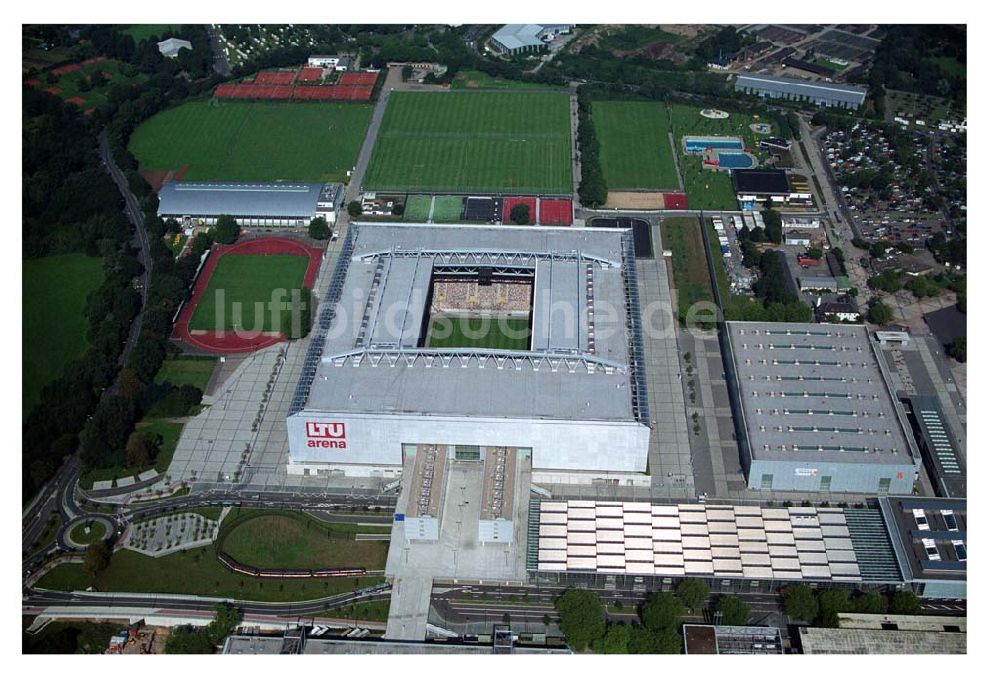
584	361
236	198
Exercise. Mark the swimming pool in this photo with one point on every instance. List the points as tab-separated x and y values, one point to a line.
735	160
719	142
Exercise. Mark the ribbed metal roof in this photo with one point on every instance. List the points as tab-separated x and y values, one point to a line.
833	91
244	199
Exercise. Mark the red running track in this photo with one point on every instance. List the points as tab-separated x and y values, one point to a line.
231	342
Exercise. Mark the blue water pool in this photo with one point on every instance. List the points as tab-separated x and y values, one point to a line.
700	145
735	160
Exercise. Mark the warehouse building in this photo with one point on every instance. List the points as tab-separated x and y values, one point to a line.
815	411
521	38
376	386
817	283
251	204
822	94
931	543
622	544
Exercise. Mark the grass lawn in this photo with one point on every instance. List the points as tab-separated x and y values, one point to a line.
478	80
709	189
79	533
290	540
828	64
194	572
418	208
479	332
247	282
636	36
54	329
243	141
484	141
950	65
187	370
140	32
635	144
375	610
117	71
447	209
688	262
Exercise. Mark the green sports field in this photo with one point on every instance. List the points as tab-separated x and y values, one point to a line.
474	141
635	144
447	209
418	208
242	141
250	280
449	331
54	328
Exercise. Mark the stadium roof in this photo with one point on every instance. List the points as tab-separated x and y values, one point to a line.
583	363
816	392
761	181
837	92
697	539
518	36
212	198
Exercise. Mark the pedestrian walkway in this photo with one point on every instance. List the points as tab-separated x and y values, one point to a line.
408	607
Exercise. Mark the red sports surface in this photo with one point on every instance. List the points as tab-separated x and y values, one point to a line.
68	68
230	342
510	202
273	78
357	78
556	213
675	201
308	74
76	100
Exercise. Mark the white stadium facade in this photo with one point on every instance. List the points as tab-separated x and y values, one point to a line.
571	396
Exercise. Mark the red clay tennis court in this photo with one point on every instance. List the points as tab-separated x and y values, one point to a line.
231	342
510	202
357	79
556	213
675	201
68	68
309	74
275	78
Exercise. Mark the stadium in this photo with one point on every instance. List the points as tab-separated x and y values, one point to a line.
462	339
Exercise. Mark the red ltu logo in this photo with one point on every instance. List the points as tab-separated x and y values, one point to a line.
325	430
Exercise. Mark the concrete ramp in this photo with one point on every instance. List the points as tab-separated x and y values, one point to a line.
408	607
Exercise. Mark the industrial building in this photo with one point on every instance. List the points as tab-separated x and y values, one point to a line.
818	283
733	547
376	389
930	539
823	94
727	640
941	453
754	187
815	411
521	38
251	204
886	634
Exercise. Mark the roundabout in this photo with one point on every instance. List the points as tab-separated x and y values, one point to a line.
85	530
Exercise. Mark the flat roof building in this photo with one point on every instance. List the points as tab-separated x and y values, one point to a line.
755	186
941	453
518	38
570	389
731	640
821	283
820	93
815	411
252	204
887	634
930	538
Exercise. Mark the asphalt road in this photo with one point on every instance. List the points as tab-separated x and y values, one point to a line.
221	63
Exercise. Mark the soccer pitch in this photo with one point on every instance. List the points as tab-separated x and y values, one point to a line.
241	141
452	331
249	280
635	146
474	141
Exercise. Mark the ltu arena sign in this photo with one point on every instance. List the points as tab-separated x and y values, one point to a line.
326	435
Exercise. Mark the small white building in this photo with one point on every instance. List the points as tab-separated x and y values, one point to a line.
337	63
171	47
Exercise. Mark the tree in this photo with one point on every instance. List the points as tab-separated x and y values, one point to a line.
772	225
757	234
520	214
226	231
831	603
692	592
354	208
733	610
880	313
319	229
407	72
646	641
225	621
800	603
581	617
130	385
661	612
957	348
616	640
97	558
904	603
139	453
871	602
188	640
